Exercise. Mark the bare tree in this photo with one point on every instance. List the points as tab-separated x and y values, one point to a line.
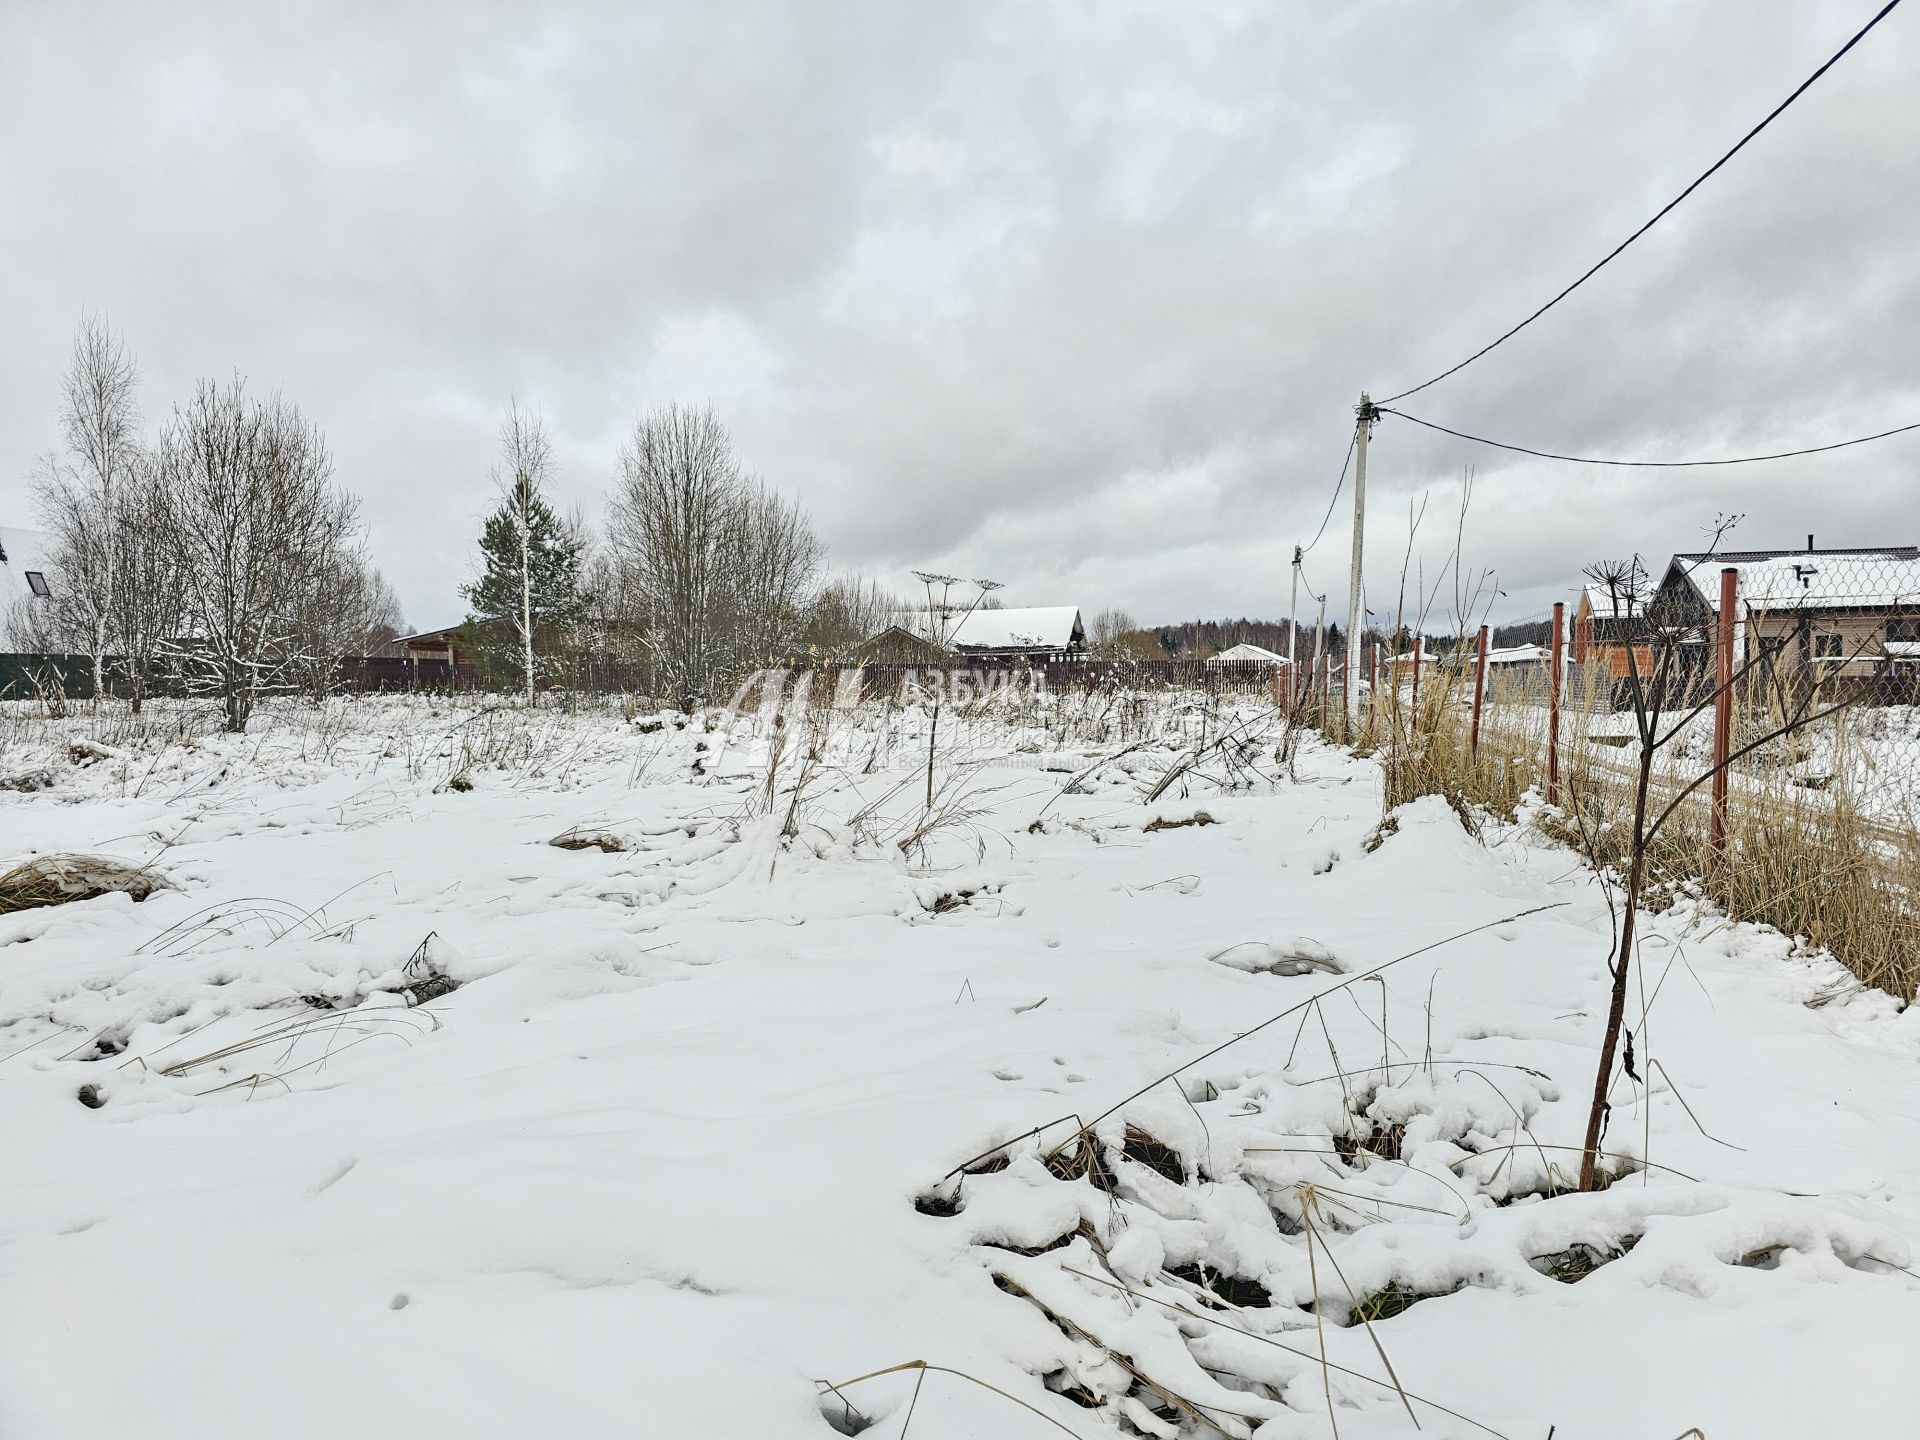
527	460
772	563
347	610
80	495
1665	699
147	610
715	568
1109	626
248	508
847	610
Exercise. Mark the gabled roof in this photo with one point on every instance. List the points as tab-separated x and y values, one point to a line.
442	634
1518	655
1870	578
1613	602
1247	654
1046	627
899	638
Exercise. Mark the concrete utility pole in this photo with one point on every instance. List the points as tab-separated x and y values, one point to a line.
1319	642
1365	414
1293	612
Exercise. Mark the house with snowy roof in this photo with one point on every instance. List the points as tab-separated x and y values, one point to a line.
1046	632
1246	656
1828	613
1610	628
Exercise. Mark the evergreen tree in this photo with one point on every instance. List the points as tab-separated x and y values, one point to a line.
527	601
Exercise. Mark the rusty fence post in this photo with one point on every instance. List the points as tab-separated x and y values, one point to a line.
1553	705
1722	710
1479	688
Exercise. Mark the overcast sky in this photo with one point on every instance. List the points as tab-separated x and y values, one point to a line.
1078	297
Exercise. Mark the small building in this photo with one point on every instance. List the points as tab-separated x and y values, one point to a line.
1048	632
440	646
897	645
1610	630
1822	614
1518	656
1247	656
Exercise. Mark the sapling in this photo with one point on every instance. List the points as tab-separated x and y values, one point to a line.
1668	637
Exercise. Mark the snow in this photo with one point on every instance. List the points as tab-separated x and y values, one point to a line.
1518	655
1613	602
1045	627
652	1168
1247	654
1802	581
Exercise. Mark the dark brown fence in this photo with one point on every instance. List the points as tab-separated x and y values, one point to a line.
27	676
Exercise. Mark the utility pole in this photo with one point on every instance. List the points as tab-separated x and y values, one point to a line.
1293	612
1365	414
1319	641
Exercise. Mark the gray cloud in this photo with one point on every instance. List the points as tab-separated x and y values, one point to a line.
1076	297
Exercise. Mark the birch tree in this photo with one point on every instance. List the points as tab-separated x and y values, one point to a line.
81	495
530	557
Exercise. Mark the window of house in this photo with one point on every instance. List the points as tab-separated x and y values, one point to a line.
1905	628
1827	647
37	583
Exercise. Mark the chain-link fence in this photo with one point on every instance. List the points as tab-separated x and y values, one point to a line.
1766	701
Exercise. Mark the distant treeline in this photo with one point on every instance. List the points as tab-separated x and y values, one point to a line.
1197	639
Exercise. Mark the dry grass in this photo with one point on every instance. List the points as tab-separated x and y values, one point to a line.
1806	851
62	879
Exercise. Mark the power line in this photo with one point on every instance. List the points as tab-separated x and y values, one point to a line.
1772	115
1338	485
1649	464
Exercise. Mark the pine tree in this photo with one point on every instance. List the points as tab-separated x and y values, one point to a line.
529	585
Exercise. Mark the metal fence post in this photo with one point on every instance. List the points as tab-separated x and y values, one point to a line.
1553	705
1722	710
1479	688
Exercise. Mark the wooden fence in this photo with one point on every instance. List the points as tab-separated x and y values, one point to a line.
30	676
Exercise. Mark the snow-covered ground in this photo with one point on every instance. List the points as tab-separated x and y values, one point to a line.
681	1143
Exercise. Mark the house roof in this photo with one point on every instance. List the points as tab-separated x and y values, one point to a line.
901	636
1862	579
1611	602
445	633
1046	627
1247	654
1517	655
25	550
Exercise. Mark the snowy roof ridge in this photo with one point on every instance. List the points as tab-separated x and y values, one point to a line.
1247	651
1038	627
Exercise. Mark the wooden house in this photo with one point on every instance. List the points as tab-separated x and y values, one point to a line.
1822	615
896	645
1246	656
1610	630
1047	632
